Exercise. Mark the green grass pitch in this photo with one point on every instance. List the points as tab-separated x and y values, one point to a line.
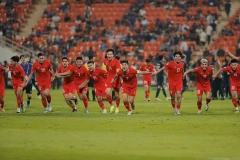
152	132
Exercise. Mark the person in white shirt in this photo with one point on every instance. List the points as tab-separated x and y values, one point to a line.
56	18
209	31
144	22
184	46
203	38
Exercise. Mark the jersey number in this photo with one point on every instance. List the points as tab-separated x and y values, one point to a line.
178	70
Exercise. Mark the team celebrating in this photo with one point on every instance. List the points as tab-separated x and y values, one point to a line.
114	76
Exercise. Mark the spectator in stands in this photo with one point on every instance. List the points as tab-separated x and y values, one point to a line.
220	52
209	17
209	31
91	52
206	53
185	28
67	18
38	32
87	14
33	33
144	22
73	28
45	13
84	52
56	18
78	19
183	45
64	7
103	46
78	28
227	7
203	38
51	14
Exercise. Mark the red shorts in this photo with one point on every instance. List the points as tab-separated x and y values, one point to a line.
2	91
100	92
235	88
116	85
68	88
131	91
79	91
43	87
16	86
200	90
147	82
174	89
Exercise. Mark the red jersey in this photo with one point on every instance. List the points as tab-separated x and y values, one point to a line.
99	77
1	75
112	67
203	77
175	72
80	74
234	75
42	71
149	68
17	74
130	78
66	80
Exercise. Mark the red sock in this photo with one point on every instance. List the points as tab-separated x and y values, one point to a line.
199	104
109	99
85	102
208	101
19	101
44	102
117	102
49	98
101	104
178	106
73	107
2	103
146	94
126	104
173	105
234	101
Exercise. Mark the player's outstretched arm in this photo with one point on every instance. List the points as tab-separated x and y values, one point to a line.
114	79
52	73
144	72
231	55
28	79
63	74
215	74
188	71
160	70
84	84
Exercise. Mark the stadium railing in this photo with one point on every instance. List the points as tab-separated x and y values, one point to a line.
16	47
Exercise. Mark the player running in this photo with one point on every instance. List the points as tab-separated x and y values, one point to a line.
2	87
129	86
81	79
160	79
27	67
43	69
99	77
18	76
112	67
147	79
203	84
175	70
68	83
234	71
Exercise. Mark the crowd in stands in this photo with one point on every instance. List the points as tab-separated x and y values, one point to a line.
129	35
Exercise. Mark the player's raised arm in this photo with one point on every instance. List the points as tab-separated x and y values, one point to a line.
52	73
144	72
231	55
